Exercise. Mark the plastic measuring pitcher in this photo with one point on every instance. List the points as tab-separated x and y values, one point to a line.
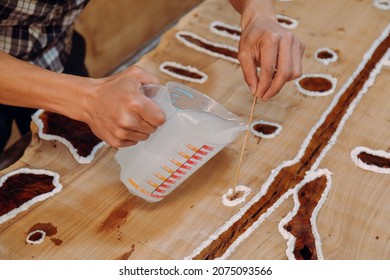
196	128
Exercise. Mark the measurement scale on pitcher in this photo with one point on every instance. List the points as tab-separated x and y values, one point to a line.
175	170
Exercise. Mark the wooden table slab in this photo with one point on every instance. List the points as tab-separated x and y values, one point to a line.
97	218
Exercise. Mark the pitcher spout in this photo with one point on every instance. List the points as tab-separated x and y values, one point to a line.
228	135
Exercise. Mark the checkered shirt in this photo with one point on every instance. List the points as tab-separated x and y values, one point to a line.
39	31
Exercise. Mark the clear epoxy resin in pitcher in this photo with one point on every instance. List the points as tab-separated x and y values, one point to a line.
196	129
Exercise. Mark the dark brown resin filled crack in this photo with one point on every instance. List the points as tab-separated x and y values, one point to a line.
324	55
77	133
218	49
21	188
300	226
264	128
370	159
231	31
183	72
285	21
316	84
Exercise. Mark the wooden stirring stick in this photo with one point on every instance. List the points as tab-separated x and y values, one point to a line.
243	147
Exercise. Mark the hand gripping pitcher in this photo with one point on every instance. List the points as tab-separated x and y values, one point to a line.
196	129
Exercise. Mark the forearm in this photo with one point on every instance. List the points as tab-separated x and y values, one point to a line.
248	8
25	85
114	107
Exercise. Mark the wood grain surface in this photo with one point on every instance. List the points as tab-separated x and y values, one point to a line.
95	216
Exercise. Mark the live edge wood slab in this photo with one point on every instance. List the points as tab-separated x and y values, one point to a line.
312	195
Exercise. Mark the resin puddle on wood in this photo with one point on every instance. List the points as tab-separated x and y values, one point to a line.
76	135
118	216
36	237
128	254
226	30
326	56
377	161
211	48
288	175
299	226
371	159
38	232
265	129
22	188
187	73
287	22
316	84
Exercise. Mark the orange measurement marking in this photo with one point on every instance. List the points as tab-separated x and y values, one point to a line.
166	168
134	184
195	149
174	161
184	155
161	177
153	184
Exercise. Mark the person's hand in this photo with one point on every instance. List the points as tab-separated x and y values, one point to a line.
119	113
266	44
